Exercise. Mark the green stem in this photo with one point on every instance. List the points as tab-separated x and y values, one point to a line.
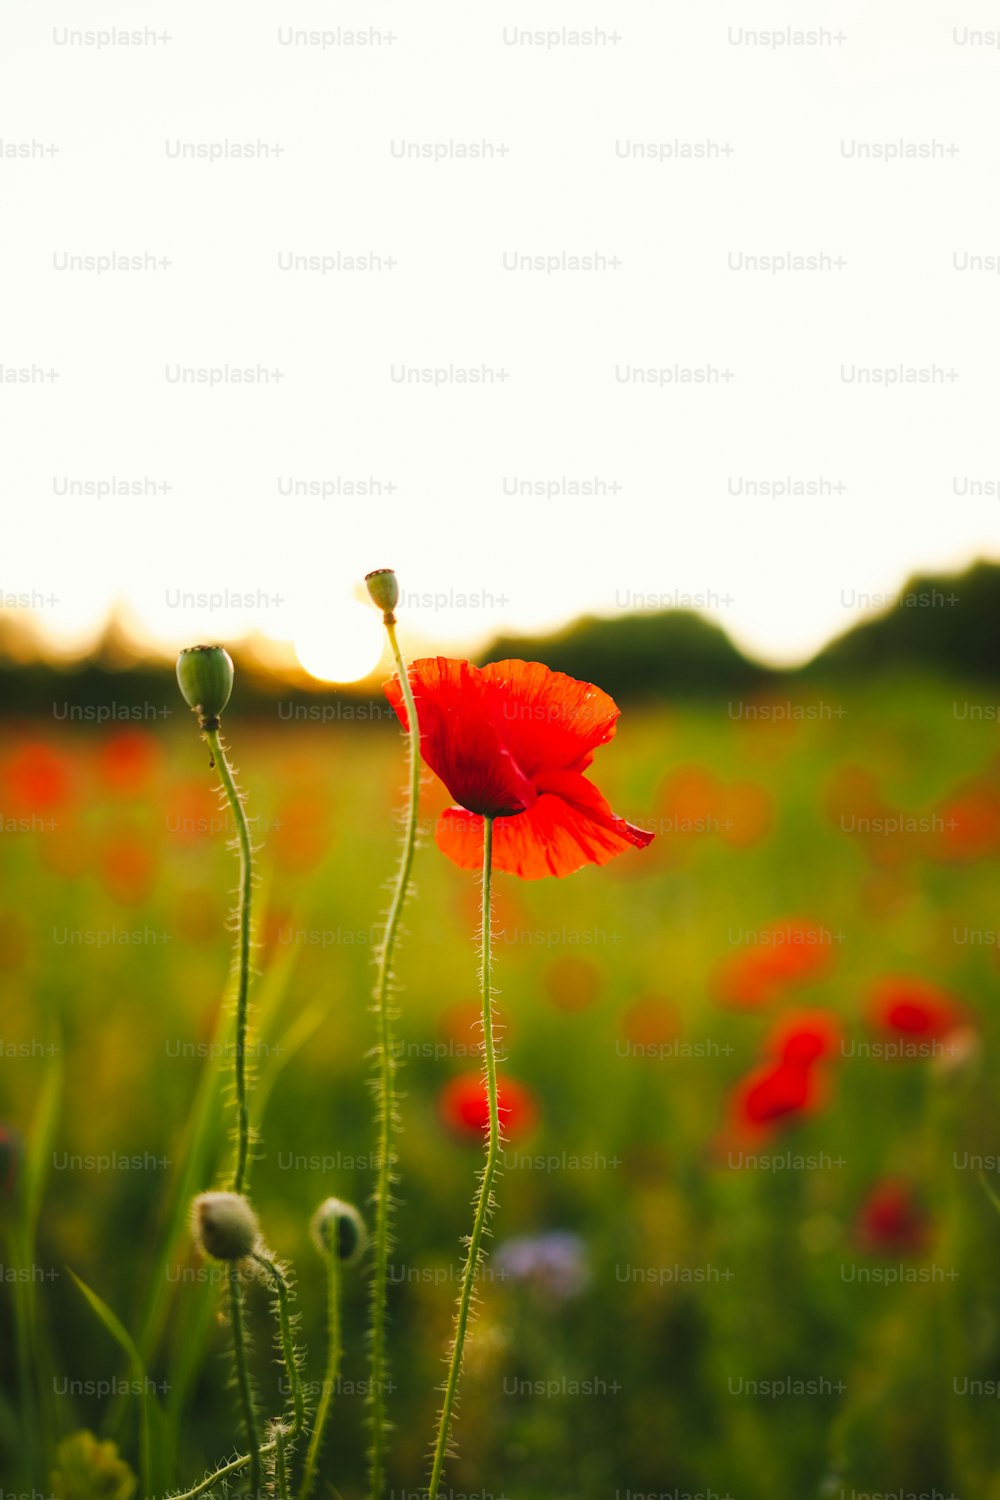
243	1379
287	1343
233	1467
243	940
332	1373
484	1201
281	1464
385	1096
26	1345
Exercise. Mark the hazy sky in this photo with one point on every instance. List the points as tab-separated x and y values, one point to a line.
873	148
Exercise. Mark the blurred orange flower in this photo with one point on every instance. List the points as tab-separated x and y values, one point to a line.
792	951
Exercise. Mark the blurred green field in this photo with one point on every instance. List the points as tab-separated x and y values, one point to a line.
705	1274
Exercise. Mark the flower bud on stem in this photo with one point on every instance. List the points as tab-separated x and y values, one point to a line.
384	591
340	1237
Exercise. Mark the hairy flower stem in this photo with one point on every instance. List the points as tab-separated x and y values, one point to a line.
281	1287
332	1373
219	758
385	1096
484	1202
243	940
243	1379
281	1464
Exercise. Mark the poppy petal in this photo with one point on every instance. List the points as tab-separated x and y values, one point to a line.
551	838
546	718
582	795
458	739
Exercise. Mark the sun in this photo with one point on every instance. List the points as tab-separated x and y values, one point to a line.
343	644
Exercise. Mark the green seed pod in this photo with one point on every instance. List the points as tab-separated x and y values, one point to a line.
205	675
383	589
224	1225
340	1224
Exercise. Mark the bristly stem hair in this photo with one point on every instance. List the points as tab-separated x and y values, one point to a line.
243	951
484	1201
243	1379
331	1374
385	1096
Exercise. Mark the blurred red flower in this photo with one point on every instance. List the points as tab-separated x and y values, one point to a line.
510	741
804	1037
38	779
791	1083
464	1109
968	821
914	1007
889	1219
774	1091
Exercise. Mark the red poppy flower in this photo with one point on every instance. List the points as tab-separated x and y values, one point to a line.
804	1037
510	741
792	1083
890	1220
773	1092
914	1007
464	1108
38	779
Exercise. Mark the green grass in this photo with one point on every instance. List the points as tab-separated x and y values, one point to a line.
749	1270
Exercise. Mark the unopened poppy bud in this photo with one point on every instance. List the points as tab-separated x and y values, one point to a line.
205	675
339	1226
383	589
224	1225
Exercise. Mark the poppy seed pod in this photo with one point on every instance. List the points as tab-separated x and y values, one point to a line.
383	590
339	1224
224	1225
205	676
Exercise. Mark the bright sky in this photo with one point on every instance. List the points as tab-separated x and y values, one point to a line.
672	516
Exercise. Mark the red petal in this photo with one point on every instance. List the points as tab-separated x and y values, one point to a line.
774	1092
458	739
551	838
545	718
914	1006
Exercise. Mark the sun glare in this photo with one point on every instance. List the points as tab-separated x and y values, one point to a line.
343	645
